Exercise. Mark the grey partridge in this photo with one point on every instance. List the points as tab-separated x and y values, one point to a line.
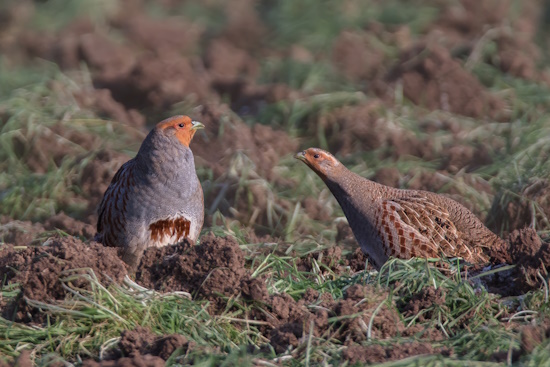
402	223
156	198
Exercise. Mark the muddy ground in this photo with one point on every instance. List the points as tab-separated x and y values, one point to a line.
216	271
136	79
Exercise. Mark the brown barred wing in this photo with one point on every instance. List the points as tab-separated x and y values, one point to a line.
414	226
112	209
398	228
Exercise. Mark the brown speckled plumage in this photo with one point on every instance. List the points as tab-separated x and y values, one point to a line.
156	198
402	223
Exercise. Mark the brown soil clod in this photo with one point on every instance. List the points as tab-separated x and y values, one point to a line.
425	300
531	258
531	255
212	269
38	271
141	341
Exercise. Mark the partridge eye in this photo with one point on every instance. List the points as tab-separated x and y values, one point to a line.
181	125
316	156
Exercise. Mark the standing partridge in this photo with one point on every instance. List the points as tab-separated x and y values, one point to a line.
154	199
402	223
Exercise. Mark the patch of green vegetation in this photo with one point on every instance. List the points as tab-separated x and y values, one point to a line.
470	318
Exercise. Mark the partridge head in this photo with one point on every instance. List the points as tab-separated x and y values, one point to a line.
402	223
154	199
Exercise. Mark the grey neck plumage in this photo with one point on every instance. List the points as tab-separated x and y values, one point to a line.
153	159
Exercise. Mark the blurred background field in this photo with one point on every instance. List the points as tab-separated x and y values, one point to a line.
447	96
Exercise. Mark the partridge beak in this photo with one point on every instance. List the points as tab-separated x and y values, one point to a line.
301	156
196	125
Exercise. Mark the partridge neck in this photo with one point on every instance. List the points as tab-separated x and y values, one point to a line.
162	155
348	185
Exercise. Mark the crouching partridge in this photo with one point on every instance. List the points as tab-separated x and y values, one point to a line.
154	199
402	223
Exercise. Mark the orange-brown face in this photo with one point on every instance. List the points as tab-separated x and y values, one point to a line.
320	161
182	127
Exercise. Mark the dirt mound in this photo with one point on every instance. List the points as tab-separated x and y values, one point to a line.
292	320
332	260
433	79
288	319
531	257
388	176
211	270
530	254
38	271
